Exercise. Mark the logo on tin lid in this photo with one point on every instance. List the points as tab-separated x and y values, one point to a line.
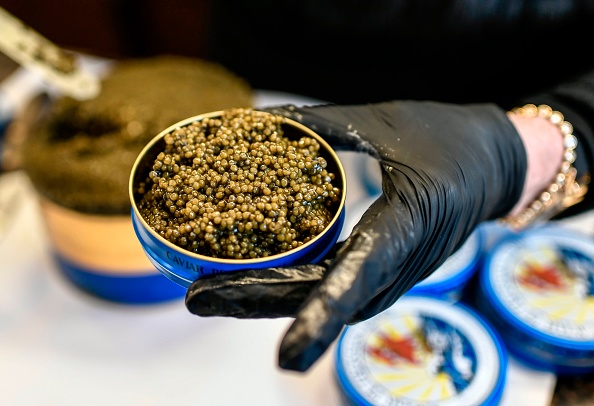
417	356
547	282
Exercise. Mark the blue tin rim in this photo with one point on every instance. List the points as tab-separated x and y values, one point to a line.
509	316
497	392
351	394
149	288
458	279
169	271
491	400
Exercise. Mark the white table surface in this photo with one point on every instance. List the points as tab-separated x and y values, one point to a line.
60	346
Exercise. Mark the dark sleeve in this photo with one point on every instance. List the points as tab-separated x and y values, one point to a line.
362	51
413	17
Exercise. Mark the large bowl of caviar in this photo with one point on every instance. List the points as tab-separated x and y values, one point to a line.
233	190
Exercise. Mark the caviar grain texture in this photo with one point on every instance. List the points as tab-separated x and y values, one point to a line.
235	187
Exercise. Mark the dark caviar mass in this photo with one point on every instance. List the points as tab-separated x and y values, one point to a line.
81	153
236	187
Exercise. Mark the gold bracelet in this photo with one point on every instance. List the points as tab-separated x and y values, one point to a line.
565	191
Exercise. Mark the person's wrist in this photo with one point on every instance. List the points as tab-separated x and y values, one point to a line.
550	149
543	142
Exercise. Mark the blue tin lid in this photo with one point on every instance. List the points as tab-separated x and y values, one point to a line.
455	272
422	351
540	286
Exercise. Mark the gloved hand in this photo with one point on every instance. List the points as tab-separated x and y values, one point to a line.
445	169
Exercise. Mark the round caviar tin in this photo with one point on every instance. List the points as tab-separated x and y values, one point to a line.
183	266
421	351
448	281
537	288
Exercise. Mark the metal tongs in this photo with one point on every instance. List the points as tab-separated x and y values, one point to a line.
56	66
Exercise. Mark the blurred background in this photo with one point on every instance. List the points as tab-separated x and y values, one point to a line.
120	28
60	346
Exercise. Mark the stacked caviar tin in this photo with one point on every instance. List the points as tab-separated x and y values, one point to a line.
537	289
421	351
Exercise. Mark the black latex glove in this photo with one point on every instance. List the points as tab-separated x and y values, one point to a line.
445	169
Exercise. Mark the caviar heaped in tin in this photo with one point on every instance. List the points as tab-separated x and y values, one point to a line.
235	187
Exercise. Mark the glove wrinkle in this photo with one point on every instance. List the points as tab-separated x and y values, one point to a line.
342	135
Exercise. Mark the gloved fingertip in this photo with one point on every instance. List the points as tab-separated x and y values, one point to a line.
209	304
293	358
308	338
